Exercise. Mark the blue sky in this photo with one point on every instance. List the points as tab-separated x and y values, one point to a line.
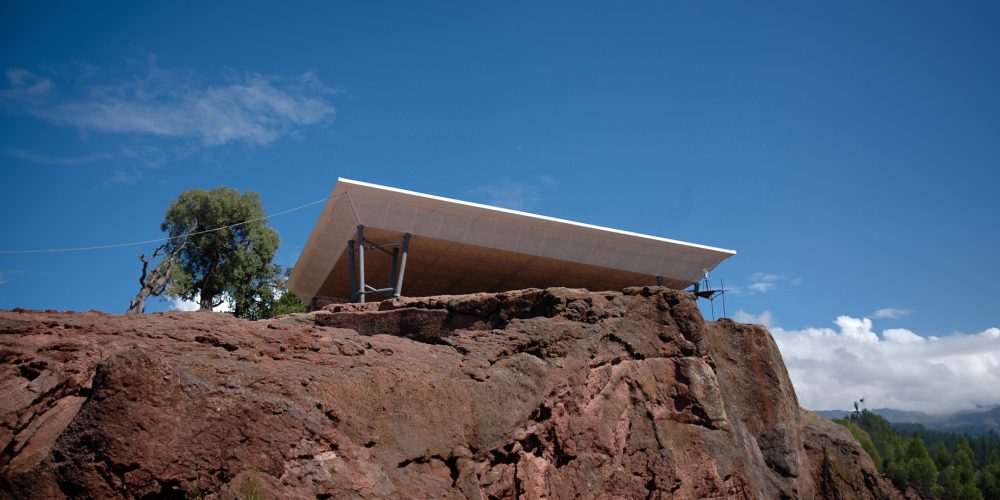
848	151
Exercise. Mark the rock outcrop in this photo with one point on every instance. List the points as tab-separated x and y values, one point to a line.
555	393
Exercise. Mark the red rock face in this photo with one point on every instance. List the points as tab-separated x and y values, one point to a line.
536	393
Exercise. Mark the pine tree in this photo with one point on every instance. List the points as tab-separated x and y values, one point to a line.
921	473
989	480
961	476
941	456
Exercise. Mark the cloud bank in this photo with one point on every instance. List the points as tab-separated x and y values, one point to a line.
247	108
831	367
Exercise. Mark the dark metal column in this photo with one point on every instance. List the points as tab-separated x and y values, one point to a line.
361	261
402	266
395	268
354	271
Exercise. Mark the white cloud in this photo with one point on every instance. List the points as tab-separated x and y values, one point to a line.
762	287
891	313
25	86
247	108
33	157
902	336
900	369
507	194
857	329
765	318
765	282
768	278
178	304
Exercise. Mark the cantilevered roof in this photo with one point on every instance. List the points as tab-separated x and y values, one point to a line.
462	247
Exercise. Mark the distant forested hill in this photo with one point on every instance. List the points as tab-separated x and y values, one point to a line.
935	463
973	423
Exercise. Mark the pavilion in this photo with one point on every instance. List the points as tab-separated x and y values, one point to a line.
373	242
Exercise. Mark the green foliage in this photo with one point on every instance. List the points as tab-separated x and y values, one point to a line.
233	262
961	476
920	471
989	480
941	456
888	445
288	303
864	439
961	467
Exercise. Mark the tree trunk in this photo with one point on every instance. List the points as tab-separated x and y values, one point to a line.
205	304
138	304
207	294
155	281
151	282
205	300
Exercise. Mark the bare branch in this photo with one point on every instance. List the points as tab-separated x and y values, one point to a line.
155	281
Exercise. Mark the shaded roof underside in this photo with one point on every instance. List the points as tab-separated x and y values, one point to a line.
440	267
460	247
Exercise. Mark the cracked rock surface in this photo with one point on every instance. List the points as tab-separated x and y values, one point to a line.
558	393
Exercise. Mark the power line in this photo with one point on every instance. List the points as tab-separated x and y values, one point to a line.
158	240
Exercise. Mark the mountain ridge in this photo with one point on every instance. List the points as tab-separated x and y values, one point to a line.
973	422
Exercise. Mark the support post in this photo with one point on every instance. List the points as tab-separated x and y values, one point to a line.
395	268
361	261
722	285
353	272
402	266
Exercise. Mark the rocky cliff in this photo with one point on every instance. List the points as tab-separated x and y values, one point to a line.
535	393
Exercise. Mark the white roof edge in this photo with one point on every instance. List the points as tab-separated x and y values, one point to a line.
534	216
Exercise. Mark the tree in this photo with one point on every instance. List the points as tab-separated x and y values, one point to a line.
153	282
989	480
942	457
961	476
970	471
288	303
921	473
273	299
230	258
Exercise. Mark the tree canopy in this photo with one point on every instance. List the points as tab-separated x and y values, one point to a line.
229	257
962	467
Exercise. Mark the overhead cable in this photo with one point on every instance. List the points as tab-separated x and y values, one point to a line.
157	240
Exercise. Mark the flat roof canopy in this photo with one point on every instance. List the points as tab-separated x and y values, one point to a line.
461	247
